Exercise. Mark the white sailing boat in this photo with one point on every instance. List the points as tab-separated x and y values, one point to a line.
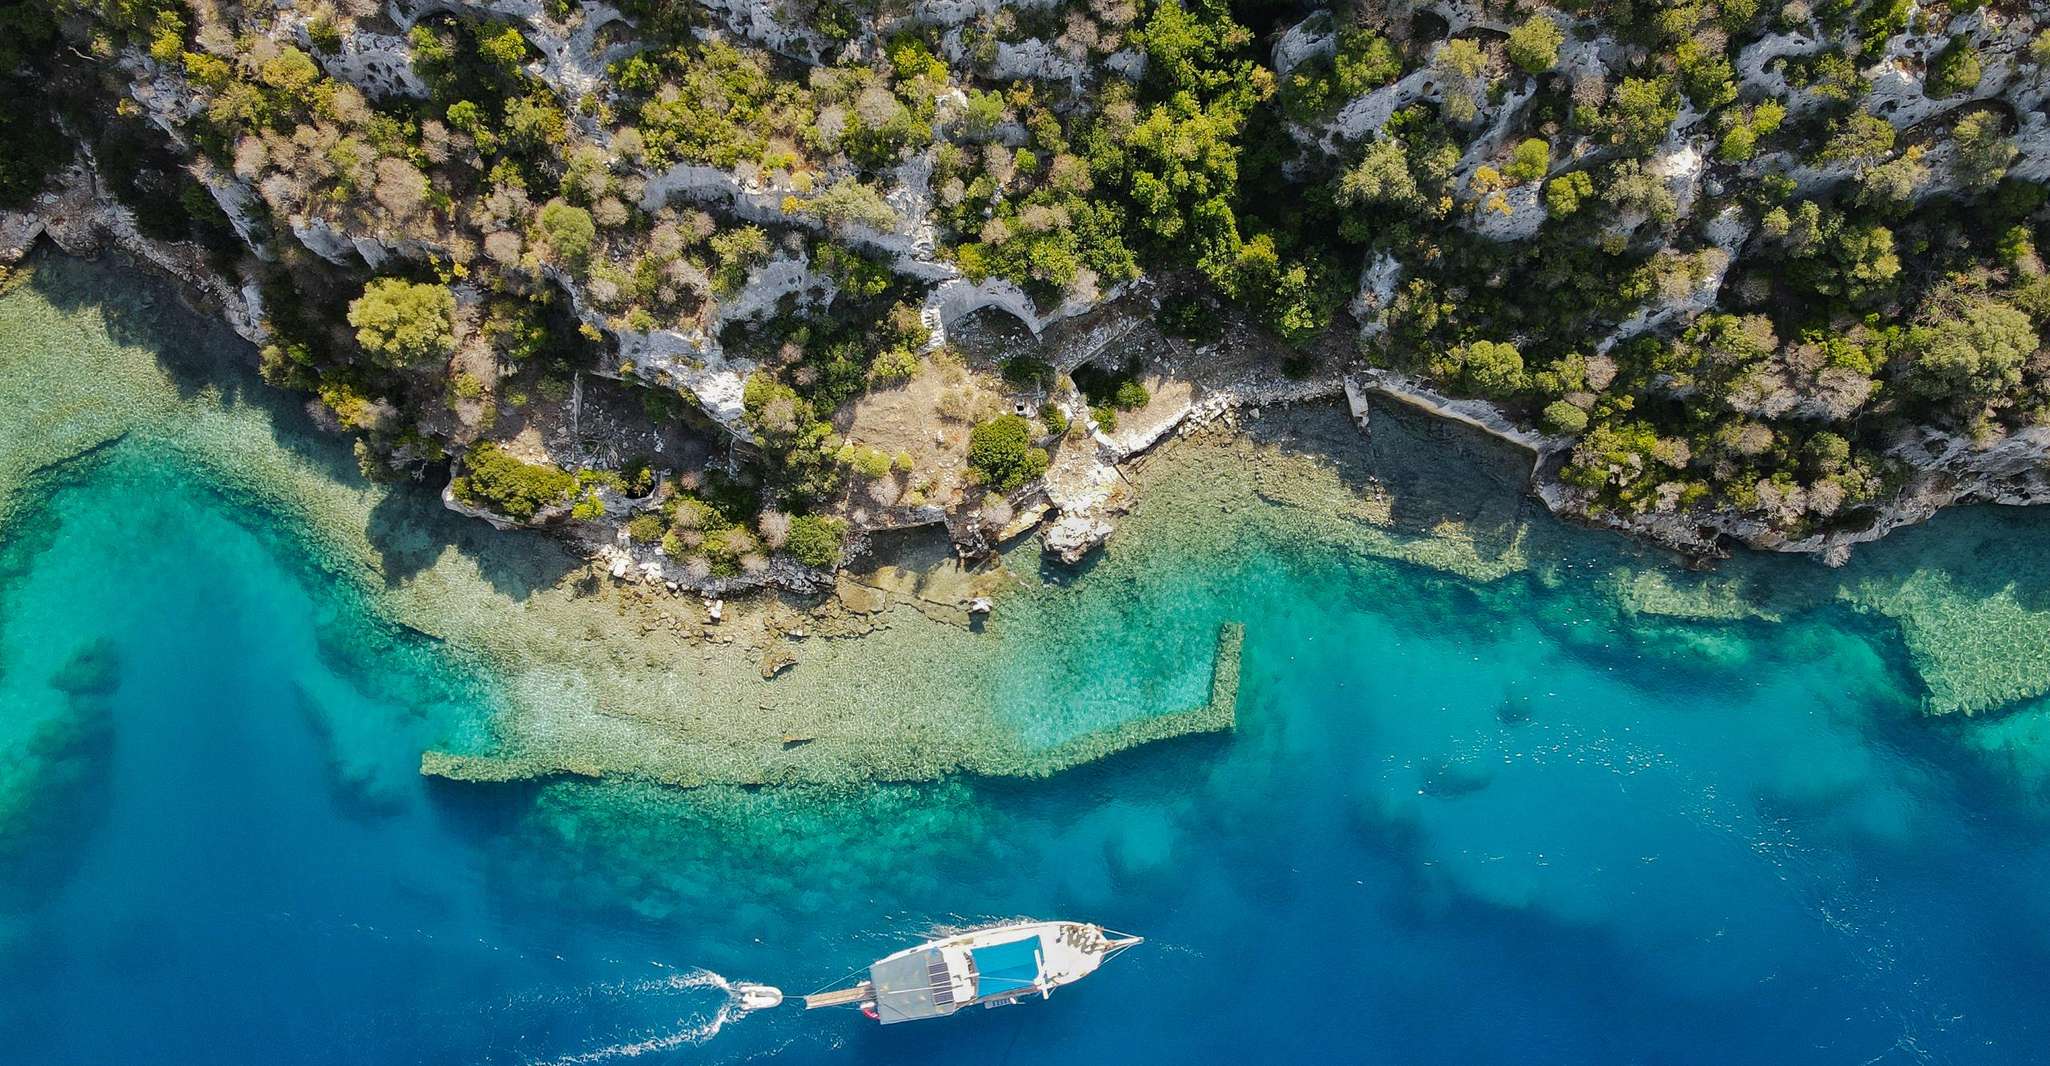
992	966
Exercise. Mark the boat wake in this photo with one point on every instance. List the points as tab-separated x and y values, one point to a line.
734	1003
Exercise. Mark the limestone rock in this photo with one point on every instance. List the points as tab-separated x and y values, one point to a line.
1074	536
859	598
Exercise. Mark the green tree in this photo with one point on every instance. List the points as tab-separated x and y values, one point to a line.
1493	368
1740	140
1894	182
1705	75
568	229
1194	49
1381	177
1862	140
983	114
1364	61
849	202
1983	152
1739	143
533	123
1972	350
505	49
1286	296
1565	193
1534	46
738	251
403	323
1643	109
1631	187
1460	63
1856	261
1530	161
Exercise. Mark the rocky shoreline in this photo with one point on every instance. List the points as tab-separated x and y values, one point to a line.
79	219
619	677
1075	509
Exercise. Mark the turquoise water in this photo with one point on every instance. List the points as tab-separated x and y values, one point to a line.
1458	822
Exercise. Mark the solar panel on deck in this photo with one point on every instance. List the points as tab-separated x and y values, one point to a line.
904	988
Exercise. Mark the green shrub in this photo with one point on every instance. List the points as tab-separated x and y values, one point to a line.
1530	161
1191	316
1563	417
493	479
893	366
1055	418
645	528
815	541
637	477
870	462
731	544
1026	371
1119	388
1001	451
1955	70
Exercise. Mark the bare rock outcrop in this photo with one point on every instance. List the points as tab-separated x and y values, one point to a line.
1071	537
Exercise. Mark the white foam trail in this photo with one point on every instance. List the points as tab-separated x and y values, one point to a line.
689	1036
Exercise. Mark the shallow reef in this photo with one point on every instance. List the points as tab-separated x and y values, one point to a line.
528	657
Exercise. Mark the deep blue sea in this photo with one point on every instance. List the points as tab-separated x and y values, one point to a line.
1456	824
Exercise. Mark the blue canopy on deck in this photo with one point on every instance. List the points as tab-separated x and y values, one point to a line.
1006	967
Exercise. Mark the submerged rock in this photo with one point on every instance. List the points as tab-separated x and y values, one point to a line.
93	670
776	662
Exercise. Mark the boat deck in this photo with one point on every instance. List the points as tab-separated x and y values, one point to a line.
839	997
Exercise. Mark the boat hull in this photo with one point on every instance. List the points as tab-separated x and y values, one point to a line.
991	966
